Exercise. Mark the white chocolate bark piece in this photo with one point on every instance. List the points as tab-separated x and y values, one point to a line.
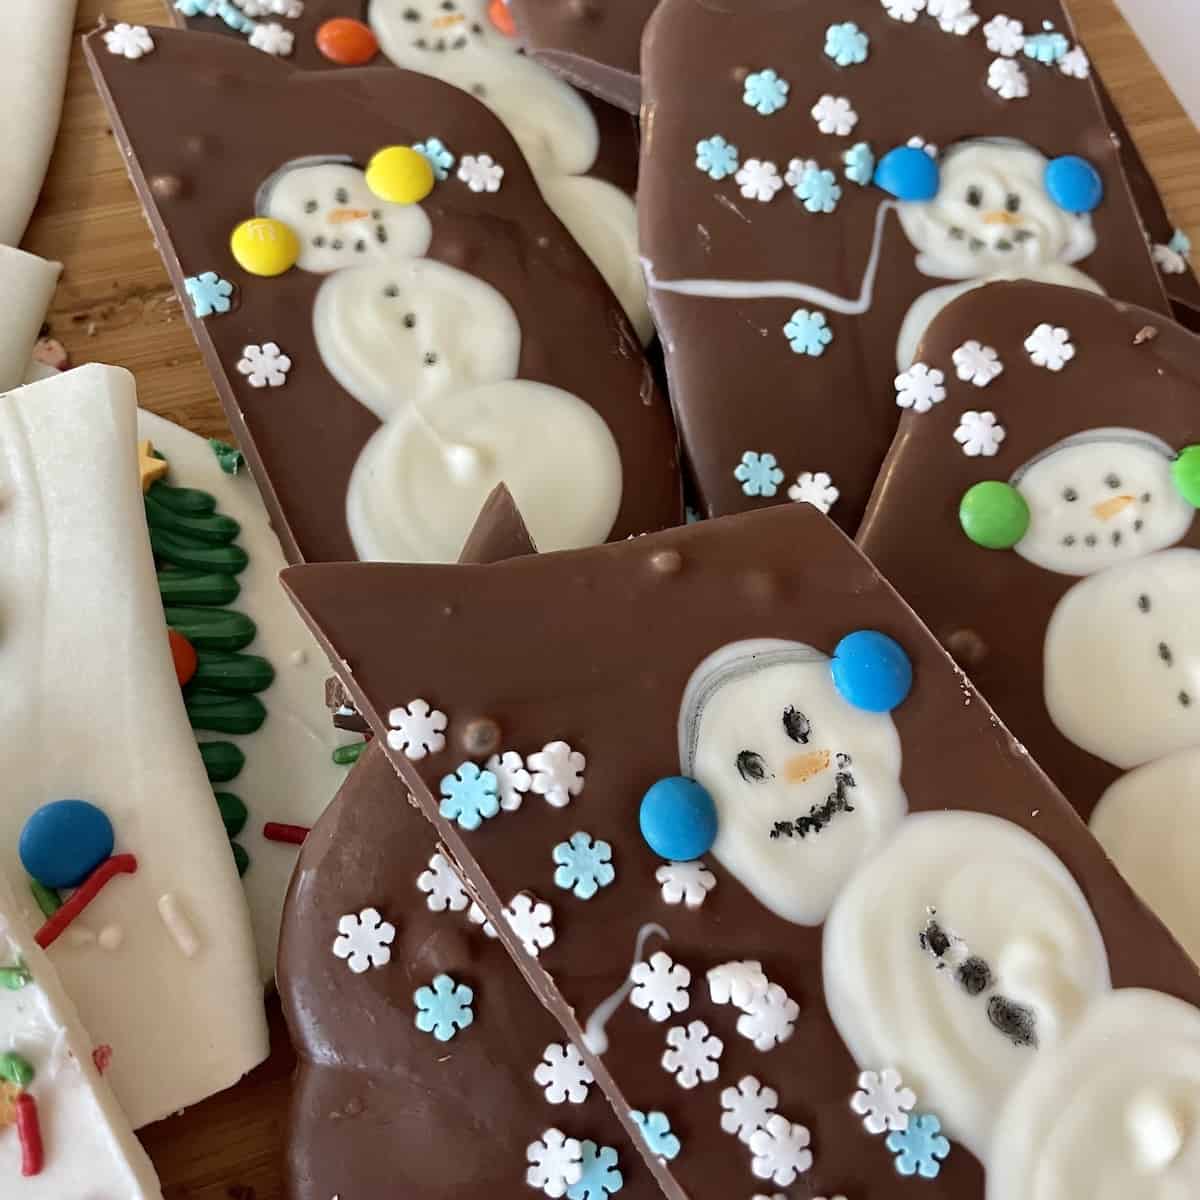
290	775
99	717
33	73
89	1148
26	285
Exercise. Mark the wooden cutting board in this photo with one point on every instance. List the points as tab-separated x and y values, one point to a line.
115	305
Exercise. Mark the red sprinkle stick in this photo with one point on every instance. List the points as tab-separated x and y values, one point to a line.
274	831
29	1131
82	896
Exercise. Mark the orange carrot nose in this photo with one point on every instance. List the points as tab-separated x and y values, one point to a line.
802	767
339	216
1107	509
501	16
447	21
1001	218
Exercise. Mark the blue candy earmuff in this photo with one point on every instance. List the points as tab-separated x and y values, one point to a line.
871	670
1074	184
909	174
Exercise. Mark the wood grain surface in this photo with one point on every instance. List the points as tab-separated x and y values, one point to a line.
114	305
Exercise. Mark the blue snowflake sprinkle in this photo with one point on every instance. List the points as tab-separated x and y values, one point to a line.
438	155
656	1130
765	92
691	516
716	157
818	190
445	1008
600	1176
469	796
1180	243
846	44
209	293
1046	48
758	474
860	164
808	332
919	1148
585	865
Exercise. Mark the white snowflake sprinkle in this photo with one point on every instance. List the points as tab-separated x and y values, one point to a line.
758	180
883	1101
747	1107
834	114
760	1196
920	388
1006	78
737	983
780	1151
976	363
1005	36
272	38
796	170
292	9
531	920
555	1163
416	729
477	916
954	16
1169	260
919	143
815	488
904	10
563	1075
480	172
265	365
769	1019
1050	346
1075	63
692	1054
979	433
363	940
512	779
442	887
660	986
128	41
557	773
685	882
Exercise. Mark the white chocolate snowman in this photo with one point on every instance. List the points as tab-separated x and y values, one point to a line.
456	41
433	352
992	219
806	785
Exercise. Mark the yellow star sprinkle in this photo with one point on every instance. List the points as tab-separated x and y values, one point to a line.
149	467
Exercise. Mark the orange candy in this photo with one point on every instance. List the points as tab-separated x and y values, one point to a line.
347	42
183	653
501	16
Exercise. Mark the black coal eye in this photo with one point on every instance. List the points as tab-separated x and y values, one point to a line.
1070	495
974	197
391	291
310	206
410	320
1185	699
411	14
1145	497
430	358
1144	602
1012	202
751	767
342	196
447	5
796	725
1113	481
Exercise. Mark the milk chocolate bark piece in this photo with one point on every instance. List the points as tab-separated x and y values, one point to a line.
787	297
469	302
596	44
705	652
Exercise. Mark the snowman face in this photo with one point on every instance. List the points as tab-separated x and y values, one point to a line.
1114	1114
340	222
993	215
404	333
1122	660
1099	499
433	32
805	784
961	953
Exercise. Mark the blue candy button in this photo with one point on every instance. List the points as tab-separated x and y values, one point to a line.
678	819
64	842
1074	184
872	671
908	173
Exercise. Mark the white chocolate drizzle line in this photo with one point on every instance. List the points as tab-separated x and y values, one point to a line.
178	926
594	1036
731	289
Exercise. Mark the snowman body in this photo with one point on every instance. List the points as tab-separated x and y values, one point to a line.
991	220
456	41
